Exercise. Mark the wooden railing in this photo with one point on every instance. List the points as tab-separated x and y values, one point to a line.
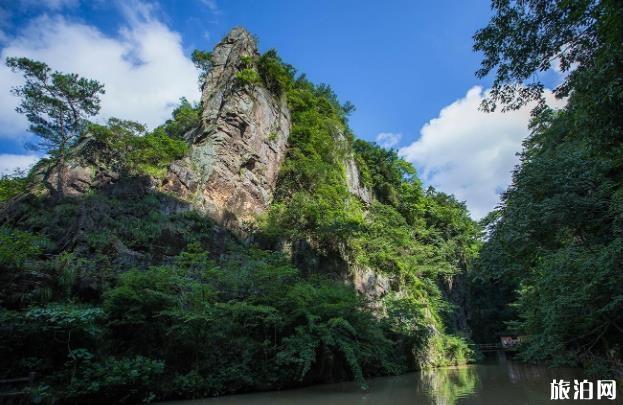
490	347
26	381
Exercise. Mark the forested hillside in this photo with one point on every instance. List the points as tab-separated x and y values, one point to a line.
118	287
253	242
552	266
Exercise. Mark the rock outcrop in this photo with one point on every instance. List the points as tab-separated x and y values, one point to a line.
88	165
229	173
237	151
353	180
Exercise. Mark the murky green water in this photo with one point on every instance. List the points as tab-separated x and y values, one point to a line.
496	381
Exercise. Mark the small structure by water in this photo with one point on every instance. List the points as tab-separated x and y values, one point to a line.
510	341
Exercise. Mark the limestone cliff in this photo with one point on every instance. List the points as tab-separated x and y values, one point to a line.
237	151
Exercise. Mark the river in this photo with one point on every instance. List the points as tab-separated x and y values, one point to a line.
495	381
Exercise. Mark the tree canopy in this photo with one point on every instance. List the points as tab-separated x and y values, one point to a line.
556	243
524	38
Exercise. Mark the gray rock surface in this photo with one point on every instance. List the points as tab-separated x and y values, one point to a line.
353	179
236	154
371	284
87	165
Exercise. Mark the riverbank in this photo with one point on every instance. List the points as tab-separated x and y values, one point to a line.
494	381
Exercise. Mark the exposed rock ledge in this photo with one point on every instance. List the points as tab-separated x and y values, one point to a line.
236	153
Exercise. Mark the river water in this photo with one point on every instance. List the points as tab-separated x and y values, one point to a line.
494	382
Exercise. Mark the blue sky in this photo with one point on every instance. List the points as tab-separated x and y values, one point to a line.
399	62
408	66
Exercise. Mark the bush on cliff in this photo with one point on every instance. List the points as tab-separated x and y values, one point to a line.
125	279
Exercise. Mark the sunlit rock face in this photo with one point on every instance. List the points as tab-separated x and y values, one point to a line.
353	180
237	151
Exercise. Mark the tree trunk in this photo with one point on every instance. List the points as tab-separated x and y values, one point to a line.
60	182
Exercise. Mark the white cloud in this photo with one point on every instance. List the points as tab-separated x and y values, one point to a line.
470	153
11	123
212	5
143	68
9	163
388	139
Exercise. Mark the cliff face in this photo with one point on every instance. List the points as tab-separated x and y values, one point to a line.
229	173
236	153
161	217
353	180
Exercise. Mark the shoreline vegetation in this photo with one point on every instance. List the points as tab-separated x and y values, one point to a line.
118	296
122	292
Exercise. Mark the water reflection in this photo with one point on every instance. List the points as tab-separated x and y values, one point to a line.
497	381
447	385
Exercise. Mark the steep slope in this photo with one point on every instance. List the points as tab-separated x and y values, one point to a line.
236	152
255	223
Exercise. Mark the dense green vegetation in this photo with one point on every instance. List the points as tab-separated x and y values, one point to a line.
124	294
126	144
11	185
194	327
554	254
413	237
141	303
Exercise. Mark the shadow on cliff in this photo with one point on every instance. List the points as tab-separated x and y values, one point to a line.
107	230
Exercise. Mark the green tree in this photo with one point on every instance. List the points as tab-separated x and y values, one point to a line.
12	184
57	106
203	63
527	37
555	246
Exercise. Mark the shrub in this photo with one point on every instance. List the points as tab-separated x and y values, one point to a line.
276	76
12	185
185	117
119	380
46	336
18	246
248	77
152	153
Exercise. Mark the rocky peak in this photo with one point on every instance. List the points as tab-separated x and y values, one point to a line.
236	152
238	149
226	63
